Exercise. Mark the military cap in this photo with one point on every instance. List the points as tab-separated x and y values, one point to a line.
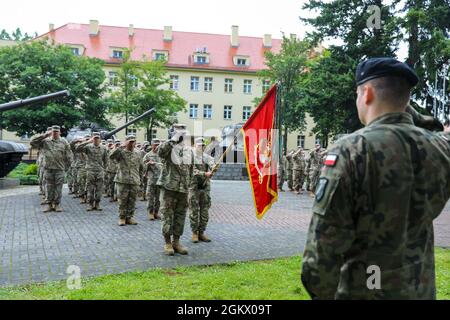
179	126
96	134
56	128
130	137
87	135
110	141
383	67
49	128
145	143
200	141
117	142
156	141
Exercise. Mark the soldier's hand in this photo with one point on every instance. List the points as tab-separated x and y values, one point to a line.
48	133
208	174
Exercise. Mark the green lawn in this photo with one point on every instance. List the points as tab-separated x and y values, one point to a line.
272	279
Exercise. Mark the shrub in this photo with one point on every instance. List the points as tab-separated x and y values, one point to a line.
30	170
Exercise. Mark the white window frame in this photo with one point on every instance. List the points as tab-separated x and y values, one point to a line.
113	78
246	112
208	84
115	54
193	111
248	86
265	86
227	112
174	82
207	111
195	83
228	85
301	139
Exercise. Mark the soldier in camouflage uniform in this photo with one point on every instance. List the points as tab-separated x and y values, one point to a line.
81	175
109	145
152	168
281	172
377	196
199	192
128	179
289	166
57	159
76	165
313	167
111	170
174	183
143	151
96	162
41	165
298	169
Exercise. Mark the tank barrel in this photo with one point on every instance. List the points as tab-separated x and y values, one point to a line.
113	132
28	102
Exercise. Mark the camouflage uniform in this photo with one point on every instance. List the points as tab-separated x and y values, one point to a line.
96	162
199	192
174	183
40	172
313	168
376	206
111	170
298	168
289	166
81	175
57	159
152	172
129	171
281	172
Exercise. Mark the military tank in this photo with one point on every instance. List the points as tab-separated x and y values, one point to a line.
11	153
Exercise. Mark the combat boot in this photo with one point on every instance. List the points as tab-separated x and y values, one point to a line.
177	247
43	202
57	208
203	237
131	221
83	200
97	206
195	237
168	248
157	216
151	216
49	208
122	222
91	207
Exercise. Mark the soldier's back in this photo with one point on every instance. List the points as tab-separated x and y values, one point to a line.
399	181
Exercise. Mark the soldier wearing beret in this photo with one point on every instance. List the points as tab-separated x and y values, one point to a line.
128	179
377	196
96	163
57	158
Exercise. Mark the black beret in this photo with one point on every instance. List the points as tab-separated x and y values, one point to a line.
383	67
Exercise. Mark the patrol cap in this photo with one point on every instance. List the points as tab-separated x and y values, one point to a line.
49	128
56	128
179	126
110	141
96	134
383	67
130	137
87	135
156	141
117	142
145	143
200	141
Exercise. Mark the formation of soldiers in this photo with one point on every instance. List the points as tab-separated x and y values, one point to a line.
170	175
301	169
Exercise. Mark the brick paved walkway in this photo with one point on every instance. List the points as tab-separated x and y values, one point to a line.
37	247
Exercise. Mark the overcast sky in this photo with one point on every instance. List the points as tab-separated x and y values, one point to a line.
254	17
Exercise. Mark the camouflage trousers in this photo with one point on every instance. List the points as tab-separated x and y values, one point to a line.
127	195
280	177
94	185
152	197
42	181
81	179
314	175
71	177
144	186
298	179
199	204
54	180
109	182
290	179
173	210
76	184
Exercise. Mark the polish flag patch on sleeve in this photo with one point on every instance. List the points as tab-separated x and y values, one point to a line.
331	160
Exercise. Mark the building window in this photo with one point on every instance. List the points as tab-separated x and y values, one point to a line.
227	112
134	81
154	134
301	141
113	79
208	84
193	111
174	82
247	86
132	131
246	112
241	61
265	86
75	51
318	141
228	85
118	54
207	111
195	82
201	60
160	56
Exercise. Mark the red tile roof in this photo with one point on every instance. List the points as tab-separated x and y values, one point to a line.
182	46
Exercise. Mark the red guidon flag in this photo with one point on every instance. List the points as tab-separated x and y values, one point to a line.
261	152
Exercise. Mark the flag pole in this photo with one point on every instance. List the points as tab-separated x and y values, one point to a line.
219	162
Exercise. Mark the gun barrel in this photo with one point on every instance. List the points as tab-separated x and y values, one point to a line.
27	102
113	132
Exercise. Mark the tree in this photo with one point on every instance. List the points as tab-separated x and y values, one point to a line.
16	35
141	86
36	68
288	67
4	35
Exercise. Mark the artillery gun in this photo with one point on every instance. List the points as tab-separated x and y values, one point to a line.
11	153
